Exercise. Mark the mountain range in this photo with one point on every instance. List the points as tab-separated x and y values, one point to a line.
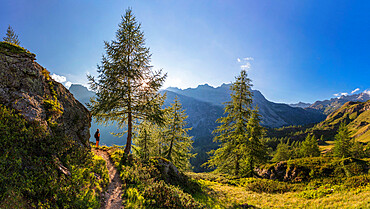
204	105
328	106
273	114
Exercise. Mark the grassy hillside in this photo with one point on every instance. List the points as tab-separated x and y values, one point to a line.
345	186
355	114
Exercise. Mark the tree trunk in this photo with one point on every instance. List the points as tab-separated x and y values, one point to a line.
237	166
129	134
170	151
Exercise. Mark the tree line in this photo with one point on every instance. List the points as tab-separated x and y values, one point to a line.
127	90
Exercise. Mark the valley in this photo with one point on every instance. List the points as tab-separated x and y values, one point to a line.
128	134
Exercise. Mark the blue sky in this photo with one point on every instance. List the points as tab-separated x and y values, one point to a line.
296	50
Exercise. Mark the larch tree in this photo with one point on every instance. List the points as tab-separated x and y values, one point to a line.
11	37
343	142
177	144
144	143
310	147
253	150
126	87
282	153
147	138
239	132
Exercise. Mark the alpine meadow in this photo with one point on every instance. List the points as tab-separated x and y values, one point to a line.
169	113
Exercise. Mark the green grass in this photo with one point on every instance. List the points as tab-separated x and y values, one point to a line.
10	48
350	192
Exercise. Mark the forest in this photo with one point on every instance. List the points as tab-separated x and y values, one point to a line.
48	162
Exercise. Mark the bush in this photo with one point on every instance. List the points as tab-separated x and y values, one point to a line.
318	192
162	195
30	167
145	187
268	186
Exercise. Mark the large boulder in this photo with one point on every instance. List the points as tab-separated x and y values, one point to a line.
28	88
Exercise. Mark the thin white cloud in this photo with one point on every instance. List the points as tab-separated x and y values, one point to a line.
245	63
247	66
58	78
63	80
356	90
367	92
68	84
338	95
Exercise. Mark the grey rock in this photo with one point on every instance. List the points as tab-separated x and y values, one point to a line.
24	88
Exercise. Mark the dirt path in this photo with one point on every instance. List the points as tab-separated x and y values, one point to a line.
113	196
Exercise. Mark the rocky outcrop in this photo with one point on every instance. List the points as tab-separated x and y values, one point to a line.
27	87
315	167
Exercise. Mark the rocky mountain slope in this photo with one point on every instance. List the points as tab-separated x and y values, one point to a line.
26	87
45	154
356	115
82	94
300	104
329	106
273	114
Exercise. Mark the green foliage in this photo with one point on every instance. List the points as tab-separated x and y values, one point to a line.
51	103
146	187
240	133
310	147
11	37
268	186
283	152
318	192
176	143
31	164
146	144
126	88
168	196
11	48
343	142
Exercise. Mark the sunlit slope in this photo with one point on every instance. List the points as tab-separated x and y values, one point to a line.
355	114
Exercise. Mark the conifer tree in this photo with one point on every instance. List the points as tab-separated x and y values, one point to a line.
239	132
177	144
310	147
145	145
126	87
252	148
283	152
11	37
343	142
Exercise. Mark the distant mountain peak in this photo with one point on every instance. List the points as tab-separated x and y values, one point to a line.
329	106
206	85
300	104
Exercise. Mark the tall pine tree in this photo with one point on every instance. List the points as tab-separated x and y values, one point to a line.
177	144
239	133
11	37
127	87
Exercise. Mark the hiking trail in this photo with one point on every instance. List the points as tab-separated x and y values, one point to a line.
112	198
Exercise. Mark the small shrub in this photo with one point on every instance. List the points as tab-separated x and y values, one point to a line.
324	190
267	186
168	196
